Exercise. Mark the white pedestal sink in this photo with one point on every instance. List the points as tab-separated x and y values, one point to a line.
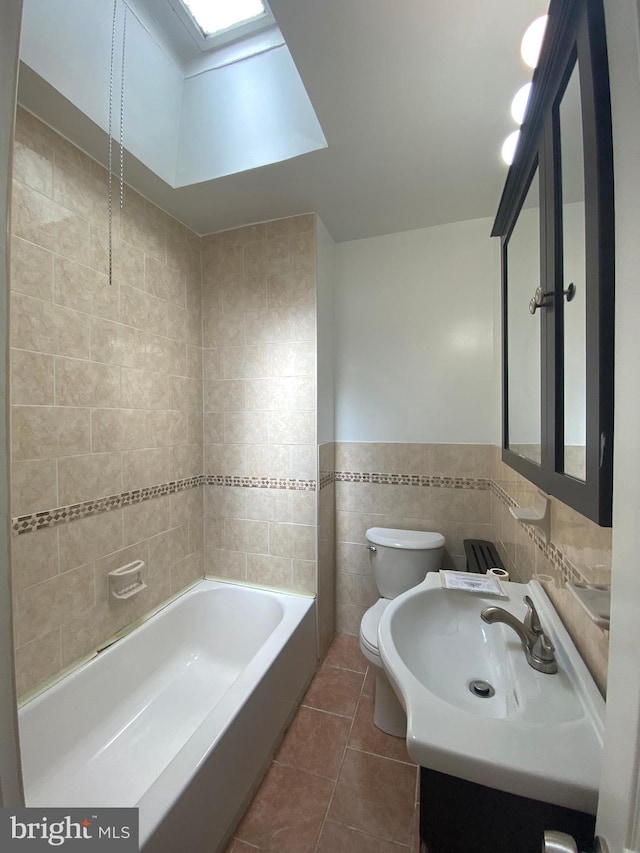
538	736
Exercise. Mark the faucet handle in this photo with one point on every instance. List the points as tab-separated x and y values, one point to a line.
543	649
532	620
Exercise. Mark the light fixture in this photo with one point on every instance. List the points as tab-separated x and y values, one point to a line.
215	16
532	41
520	102
509	147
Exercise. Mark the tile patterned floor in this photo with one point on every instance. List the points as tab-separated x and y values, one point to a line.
337	783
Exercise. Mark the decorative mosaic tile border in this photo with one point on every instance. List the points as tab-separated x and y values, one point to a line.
63	514
477	484
557	558
327	478
563	565
500	493
260	482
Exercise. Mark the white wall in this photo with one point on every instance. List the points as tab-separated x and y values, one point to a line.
618	810
77	62
10	782
415	336
228	119
243	116
325	290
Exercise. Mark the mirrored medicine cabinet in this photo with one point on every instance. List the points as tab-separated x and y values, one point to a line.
555	221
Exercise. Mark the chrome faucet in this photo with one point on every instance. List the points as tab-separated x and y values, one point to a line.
538	648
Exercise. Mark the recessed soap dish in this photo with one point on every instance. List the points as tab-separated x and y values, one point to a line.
126	581
595	600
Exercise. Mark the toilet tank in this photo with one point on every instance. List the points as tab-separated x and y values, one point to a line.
400	559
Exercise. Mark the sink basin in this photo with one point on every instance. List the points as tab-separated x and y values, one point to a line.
536	735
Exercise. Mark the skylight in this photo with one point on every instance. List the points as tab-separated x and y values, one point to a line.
215	17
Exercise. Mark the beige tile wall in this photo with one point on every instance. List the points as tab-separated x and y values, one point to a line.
326	547
461	514
586	545
259	308
456	513
62	611
106	389
107	396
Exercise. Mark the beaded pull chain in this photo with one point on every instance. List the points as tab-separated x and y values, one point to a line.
121	134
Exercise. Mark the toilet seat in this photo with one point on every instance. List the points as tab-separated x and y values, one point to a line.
369	625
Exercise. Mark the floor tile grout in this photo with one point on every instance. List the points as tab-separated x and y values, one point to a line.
334	782
344	752
302	770
324	711
345	668
385	757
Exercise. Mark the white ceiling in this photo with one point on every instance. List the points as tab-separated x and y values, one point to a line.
413	97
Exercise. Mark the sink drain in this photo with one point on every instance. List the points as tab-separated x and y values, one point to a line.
481	688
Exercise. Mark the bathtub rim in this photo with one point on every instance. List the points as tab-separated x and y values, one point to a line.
81	662
159	794
172	784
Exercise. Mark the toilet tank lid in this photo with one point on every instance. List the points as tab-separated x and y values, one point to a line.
413	540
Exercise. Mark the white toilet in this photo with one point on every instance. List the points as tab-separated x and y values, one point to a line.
400	560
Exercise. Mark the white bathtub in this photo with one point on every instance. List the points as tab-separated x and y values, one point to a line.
179	718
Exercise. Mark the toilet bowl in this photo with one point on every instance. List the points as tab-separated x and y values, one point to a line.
400	560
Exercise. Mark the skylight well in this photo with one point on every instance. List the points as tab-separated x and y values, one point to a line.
220	19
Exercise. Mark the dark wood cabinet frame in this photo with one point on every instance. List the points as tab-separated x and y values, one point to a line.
576	30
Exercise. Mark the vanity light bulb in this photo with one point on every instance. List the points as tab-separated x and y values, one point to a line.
520	102
509	147
532	41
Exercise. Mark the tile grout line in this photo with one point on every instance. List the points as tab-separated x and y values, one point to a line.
323	711
344	752
416	811
335	781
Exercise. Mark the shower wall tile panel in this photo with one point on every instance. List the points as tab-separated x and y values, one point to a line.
106	389
259	323
113	393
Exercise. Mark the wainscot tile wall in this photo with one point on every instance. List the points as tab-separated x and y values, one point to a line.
579	550
106	390
440	487
462	491
326	545
259	308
